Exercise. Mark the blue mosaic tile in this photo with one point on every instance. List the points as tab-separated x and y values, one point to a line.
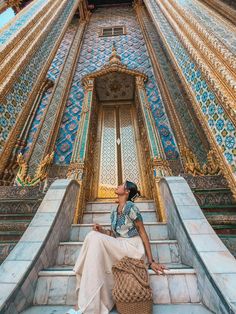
207	101
53	74
95	53
214	25
21	89
21	20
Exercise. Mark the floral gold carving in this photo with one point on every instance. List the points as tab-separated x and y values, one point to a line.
22	179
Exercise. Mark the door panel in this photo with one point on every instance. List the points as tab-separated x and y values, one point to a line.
108	178
118	151
129	156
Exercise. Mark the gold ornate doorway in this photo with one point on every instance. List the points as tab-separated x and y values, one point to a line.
115	84
117	148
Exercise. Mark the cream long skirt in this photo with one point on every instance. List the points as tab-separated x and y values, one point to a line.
93	269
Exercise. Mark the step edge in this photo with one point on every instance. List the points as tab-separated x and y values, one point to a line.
151	242
61	273
108	224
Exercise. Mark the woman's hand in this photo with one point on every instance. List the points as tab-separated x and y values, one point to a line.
158	268
97	227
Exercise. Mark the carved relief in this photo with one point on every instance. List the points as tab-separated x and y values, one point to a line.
22	177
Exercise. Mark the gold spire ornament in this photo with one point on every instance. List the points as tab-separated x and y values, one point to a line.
114	58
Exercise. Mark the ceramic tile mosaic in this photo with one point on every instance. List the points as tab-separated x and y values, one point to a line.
221	126
53	74
16	98
95	53
190	127
216	26
21	20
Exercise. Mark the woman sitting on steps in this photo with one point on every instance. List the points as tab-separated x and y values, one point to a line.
102	248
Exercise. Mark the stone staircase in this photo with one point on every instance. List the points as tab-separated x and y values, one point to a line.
220	211
17	208
217	203
176	292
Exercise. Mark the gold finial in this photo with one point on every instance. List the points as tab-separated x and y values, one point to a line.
114	58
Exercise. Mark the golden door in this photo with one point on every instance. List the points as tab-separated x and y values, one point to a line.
119	158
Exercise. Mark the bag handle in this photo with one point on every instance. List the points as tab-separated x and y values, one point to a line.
131	271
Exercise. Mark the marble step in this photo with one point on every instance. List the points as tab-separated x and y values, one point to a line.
225	229
104	216
16	225
155	231
5	249
57	287
166	251
6	236
108	206
157	309
13	216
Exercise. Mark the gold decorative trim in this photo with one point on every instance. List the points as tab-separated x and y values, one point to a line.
114	65
170	107
215	61
61	106
192	166
219	7
16	60
224	166
22	179
14	134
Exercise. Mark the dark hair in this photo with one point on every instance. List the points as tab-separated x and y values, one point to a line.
133	190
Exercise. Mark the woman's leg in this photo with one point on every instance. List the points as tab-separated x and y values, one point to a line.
93	269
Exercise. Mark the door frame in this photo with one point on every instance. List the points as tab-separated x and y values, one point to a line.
156	162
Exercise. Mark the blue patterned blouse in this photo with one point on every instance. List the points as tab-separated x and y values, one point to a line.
123	225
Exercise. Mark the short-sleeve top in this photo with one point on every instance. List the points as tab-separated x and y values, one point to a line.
123	225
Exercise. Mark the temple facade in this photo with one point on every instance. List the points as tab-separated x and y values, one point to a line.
98	92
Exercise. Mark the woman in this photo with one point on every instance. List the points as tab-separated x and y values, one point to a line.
102	248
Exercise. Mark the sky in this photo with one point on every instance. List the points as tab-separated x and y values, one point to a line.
6	16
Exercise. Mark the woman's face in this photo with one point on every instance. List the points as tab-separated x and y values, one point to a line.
120	190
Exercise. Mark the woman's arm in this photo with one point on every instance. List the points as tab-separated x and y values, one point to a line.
158	268
99	228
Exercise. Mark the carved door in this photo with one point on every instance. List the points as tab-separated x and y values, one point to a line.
119	159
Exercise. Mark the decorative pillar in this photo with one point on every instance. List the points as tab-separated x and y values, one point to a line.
47	135
169	105
25	60
207	71
223	9
160	166
21	142
78	167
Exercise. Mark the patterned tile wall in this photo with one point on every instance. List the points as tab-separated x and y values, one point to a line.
211	22
20	20
21	89
53	74
218	121
191	129
95	53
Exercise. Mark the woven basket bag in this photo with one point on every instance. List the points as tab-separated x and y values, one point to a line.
131	292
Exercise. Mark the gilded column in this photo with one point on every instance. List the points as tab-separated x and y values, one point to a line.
25	59
159	164
78	168
47	136
206	69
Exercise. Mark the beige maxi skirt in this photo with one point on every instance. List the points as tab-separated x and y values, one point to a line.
93	269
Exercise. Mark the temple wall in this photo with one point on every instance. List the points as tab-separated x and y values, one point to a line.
211	21
196	139
28	60
210	110
53	74
95	53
